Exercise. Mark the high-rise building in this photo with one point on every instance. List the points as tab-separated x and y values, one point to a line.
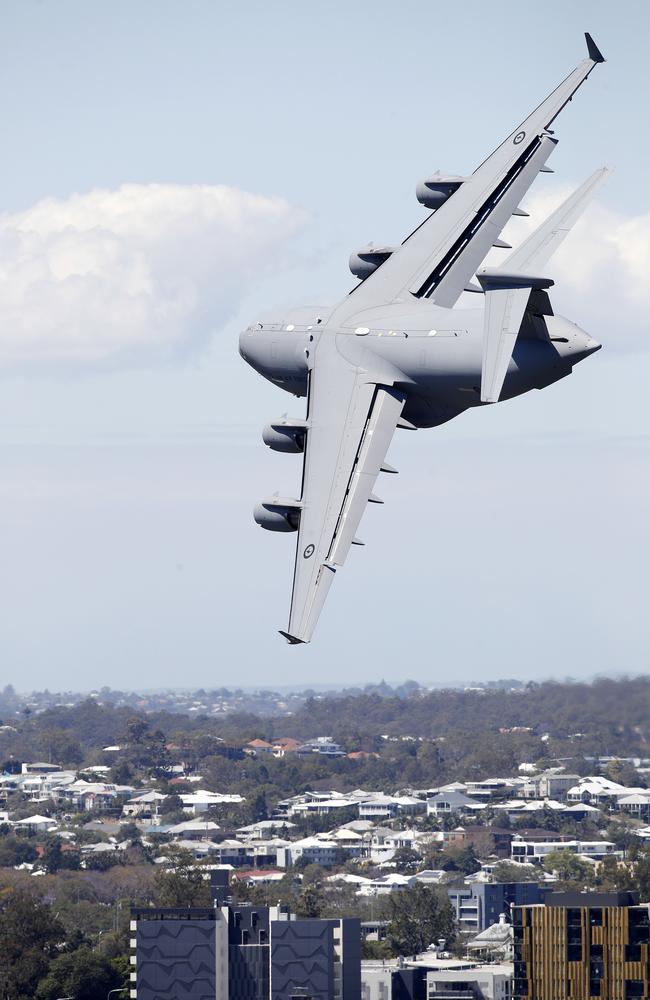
242	952
582	946
480	904
179	954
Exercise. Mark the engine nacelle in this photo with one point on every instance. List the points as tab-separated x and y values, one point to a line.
278	514
285	435
363	262
433	191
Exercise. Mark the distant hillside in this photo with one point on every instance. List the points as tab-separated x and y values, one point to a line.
604	717
606	709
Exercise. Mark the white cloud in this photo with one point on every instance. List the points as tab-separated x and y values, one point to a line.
137	275
601	269
146	273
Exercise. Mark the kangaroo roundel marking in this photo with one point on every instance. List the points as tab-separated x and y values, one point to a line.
309	551
520	136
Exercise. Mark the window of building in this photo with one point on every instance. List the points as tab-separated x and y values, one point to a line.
633	988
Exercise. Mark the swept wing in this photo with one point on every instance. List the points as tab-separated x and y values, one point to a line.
352	414
438	260
353	410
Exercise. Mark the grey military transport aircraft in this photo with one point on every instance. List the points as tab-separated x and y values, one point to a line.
395	353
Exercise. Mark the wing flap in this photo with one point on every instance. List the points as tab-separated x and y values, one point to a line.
382	421
451	278
352	418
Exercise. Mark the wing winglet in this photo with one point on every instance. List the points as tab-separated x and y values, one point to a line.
593	50
291	639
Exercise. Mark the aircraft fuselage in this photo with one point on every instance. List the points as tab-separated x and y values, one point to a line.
434	354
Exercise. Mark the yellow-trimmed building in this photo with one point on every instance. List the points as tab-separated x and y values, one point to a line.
582	946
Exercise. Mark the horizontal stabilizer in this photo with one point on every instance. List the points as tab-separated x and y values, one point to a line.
502	277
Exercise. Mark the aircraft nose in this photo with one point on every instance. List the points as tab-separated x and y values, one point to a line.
244	338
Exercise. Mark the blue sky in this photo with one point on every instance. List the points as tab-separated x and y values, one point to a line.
170	169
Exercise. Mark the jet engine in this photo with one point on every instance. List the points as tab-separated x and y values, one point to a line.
363	262
433	191
278	514
285	434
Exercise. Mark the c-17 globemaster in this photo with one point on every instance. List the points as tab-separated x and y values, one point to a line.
395	353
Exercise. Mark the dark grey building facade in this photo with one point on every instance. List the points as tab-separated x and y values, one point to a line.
243	953
320	959
176	955
479	905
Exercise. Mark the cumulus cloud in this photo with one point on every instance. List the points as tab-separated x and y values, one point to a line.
601	269
141	274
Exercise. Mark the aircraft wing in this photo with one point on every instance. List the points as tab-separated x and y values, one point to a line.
439	258
351	418
540	246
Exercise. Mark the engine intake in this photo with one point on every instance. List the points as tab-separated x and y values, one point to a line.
278	514
285	435
433	191
363	262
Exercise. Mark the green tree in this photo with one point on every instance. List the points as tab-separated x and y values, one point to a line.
310	902
612	875
569	868
375	950
419	916
466	860
84	975
121	773
131	832
183	883
55	858
30	937
406	859
642	876
170	804
510	871
136	729
16	851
